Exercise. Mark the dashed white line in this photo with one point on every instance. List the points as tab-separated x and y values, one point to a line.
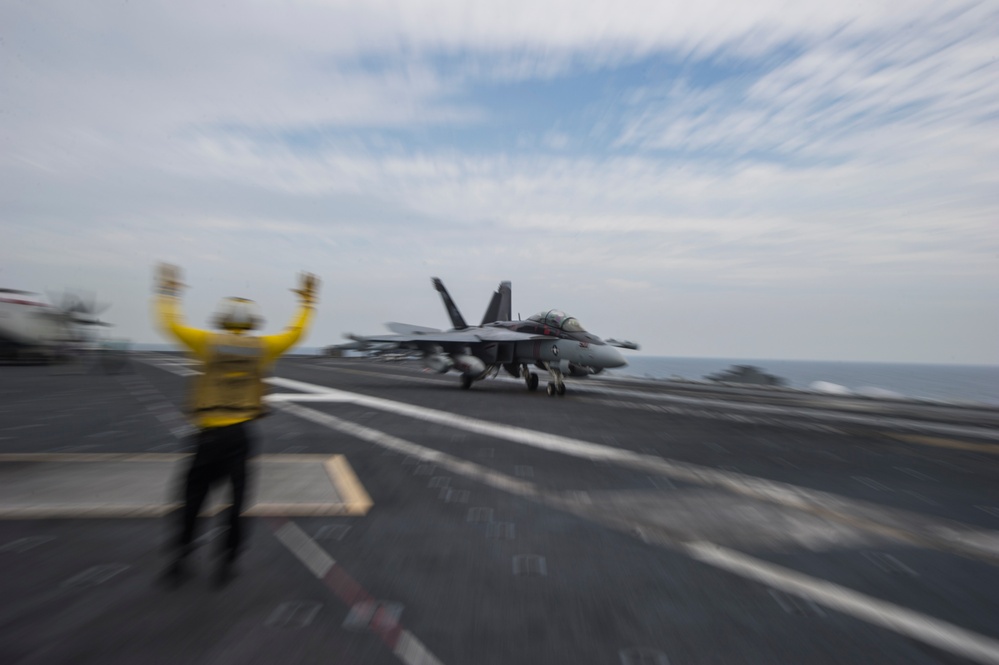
404	644
308	552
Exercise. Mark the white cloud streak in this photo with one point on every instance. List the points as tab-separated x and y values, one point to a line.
855	163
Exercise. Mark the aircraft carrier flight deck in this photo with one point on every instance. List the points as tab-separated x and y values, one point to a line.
396	518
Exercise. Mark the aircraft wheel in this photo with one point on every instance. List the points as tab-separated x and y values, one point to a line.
551	389
466	382
561	390
532	383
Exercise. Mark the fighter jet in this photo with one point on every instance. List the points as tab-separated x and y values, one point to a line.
549	340
30	328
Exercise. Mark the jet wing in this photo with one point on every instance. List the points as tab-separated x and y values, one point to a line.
503	335
438	337
467	336
410	329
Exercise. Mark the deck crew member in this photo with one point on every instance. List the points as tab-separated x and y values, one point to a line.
224	399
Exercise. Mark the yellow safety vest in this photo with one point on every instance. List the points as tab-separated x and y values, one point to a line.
231	388
213	405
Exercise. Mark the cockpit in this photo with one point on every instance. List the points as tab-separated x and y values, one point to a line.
556	318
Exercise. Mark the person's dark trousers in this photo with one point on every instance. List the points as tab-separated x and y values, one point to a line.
220	455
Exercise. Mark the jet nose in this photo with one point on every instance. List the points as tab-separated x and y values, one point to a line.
611	357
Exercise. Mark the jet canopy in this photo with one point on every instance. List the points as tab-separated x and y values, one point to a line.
556	318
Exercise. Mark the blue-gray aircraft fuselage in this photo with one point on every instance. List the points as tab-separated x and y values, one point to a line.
549	340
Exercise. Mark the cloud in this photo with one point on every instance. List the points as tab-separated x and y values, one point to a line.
925	75
740	153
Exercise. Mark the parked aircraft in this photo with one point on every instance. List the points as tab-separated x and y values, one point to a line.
549	340
29	327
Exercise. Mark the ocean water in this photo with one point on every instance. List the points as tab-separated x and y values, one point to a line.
951	383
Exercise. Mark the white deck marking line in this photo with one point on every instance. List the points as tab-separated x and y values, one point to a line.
896	618
306	397
455	464
552	442
405	646
906	622
412	652
895	523
308	552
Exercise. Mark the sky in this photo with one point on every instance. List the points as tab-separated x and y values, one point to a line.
776	179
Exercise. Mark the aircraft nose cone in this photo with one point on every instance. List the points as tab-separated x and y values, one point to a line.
611	357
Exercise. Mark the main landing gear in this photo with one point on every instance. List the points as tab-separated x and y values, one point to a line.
556	386
466	381
530	378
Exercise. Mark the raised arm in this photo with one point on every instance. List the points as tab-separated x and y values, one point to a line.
275	345
168	313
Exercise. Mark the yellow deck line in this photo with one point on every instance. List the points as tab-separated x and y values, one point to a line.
303	510
347	485
354	499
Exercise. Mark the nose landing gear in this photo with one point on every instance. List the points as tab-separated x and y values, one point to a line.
556	389
556	386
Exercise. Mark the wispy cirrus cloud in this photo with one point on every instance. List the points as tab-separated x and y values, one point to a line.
834	99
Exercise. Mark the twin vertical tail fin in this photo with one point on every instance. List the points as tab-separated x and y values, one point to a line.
452	310
499	307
